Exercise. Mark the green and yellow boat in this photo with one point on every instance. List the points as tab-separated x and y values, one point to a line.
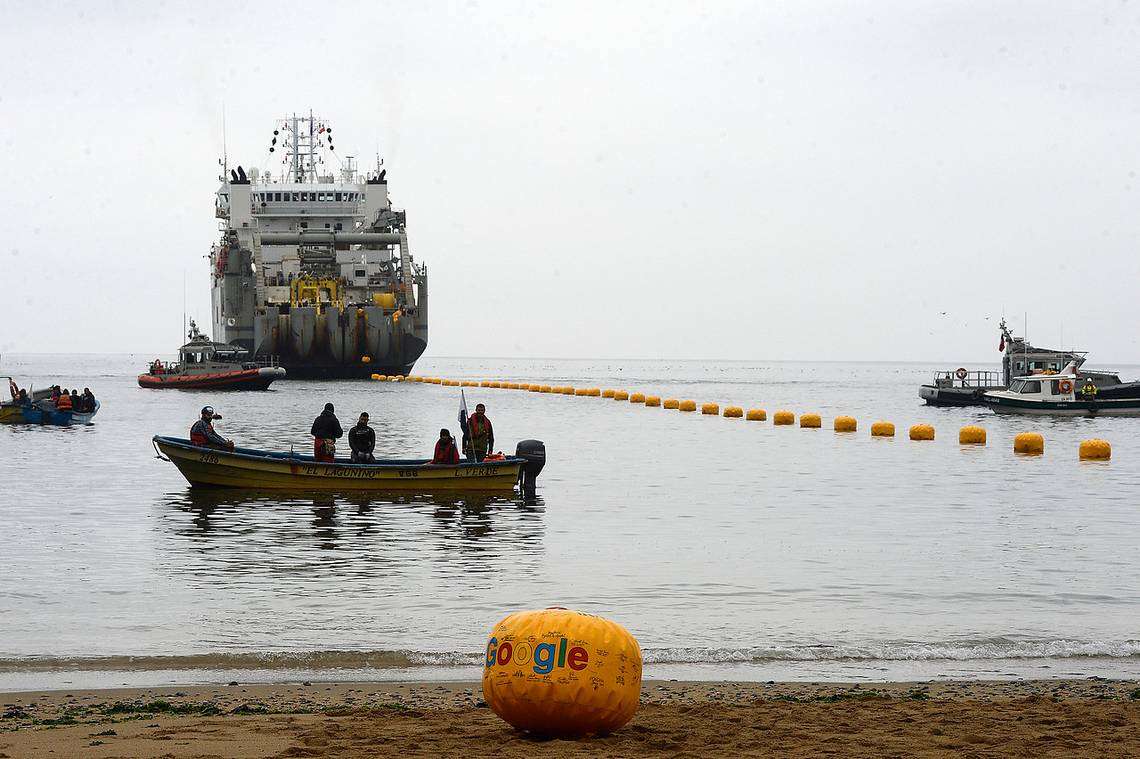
253	469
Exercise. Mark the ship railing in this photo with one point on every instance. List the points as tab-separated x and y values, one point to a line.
268	361
975	379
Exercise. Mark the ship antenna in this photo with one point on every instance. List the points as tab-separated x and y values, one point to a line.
225	158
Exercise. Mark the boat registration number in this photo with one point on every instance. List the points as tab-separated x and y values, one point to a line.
208	458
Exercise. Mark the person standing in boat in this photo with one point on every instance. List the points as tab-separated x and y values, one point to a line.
63	402
362	440
445	450
202	433
88	400
325	431
482	435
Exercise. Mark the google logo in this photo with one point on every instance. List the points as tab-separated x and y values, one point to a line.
546	656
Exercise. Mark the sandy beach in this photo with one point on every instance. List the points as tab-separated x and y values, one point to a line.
1042	717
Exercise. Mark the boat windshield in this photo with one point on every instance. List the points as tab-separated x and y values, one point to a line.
1025	386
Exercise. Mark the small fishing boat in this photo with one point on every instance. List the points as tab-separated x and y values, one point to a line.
1061	394
38	408
269	470
206	365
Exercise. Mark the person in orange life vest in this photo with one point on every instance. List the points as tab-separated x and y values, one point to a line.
63	403
202	433
325	431
482	435
445	450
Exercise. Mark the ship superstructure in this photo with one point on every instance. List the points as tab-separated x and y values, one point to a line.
313	265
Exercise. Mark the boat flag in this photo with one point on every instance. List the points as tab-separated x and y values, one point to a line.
463	417
1001	345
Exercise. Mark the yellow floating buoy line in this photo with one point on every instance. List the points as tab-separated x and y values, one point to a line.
1027	443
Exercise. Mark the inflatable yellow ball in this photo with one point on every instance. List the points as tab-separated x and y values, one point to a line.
637	397
733	412
1095	450
671	403
972	434
883	429
710	409
1030	443
375	376
845	424
784	417
621	395
608	393
685	405
653	401
366	359
922	432
811	421
562	673
757	415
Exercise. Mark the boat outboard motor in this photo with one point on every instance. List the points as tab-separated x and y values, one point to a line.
534	452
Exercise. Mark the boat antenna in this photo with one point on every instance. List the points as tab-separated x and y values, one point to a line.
183	304
225	158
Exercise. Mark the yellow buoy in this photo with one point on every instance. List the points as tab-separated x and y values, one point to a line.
733	412
562	673
436	381
710	409
608	393
366	359
375	376
548	389
653	400
397	378
621	395
687	406
757	415
469	383
972	434
783	417
845	424
637	397
922	432
671	403
569	390
1031	443
582	391
485	383
594	392
536	388
492	383
810	421
1095	450
883	429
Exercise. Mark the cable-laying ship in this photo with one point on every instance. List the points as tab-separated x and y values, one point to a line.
313	266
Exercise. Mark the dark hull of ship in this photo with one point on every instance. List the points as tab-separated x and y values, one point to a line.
315	368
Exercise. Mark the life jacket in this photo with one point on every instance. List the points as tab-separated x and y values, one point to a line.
198	433
445	453
64	402
479	427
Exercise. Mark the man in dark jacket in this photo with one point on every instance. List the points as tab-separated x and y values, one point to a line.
202	433
325	431
362	439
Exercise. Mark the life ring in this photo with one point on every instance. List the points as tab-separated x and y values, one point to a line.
1065	386
961	373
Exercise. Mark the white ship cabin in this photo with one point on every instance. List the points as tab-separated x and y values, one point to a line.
1059	386
324	204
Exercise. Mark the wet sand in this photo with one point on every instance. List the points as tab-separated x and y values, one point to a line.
1041	717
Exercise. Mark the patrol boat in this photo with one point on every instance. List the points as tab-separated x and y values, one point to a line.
1063	394
965	387
313	264
206	365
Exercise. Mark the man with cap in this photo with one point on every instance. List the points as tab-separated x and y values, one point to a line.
202	433
482	435
362	439
325	431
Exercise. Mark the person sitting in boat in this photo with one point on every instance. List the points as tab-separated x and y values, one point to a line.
1088	392
22	397
445	450
63	402
88	400
362	440
202	433
54	393
325	431
76	403
482	435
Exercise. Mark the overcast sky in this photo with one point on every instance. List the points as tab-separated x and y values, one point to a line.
865	180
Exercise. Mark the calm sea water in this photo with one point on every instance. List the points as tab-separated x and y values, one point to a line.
731	549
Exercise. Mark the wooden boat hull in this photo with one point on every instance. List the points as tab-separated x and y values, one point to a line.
240	379
264	470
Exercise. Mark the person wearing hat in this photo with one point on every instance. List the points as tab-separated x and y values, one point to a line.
202	433
325	431
445	450
362	440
